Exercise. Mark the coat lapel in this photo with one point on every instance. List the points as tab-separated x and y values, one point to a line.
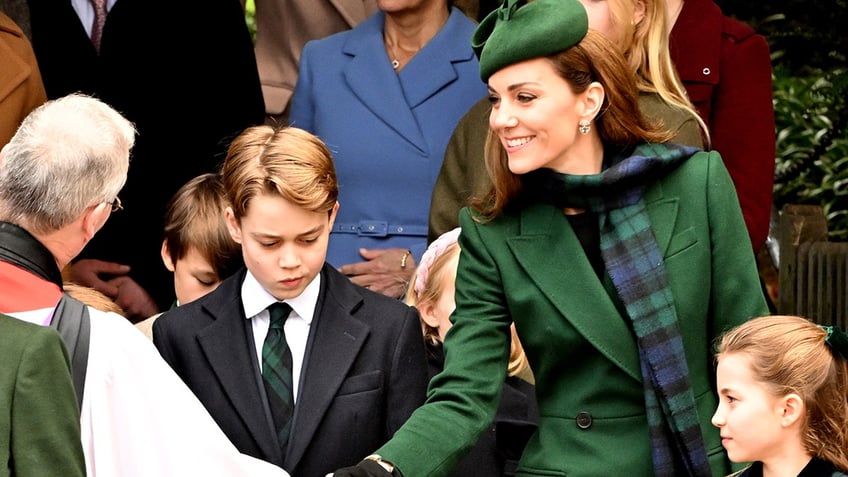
392	97
433	67
227	347
372	79
585	303
663	212
334	342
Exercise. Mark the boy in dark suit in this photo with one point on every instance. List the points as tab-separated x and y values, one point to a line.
348	365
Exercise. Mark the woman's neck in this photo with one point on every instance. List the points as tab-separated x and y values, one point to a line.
584	158
408	31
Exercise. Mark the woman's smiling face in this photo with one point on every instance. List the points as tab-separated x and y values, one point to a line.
535	114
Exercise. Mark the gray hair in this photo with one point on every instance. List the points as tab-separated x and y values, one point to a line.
67	155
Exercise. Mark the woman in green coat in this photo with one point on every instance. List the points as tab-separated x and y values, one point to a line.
618	255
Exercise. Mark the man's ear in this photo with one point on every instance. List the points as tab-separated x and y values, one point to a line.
166	256
232	224
792	410
94	218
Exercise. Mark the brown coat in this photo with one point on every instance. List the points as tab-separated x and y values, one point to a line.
21	88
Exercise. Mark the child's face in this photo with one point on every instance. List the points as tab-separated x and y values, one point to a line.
748	415
194	276
438	314
284	246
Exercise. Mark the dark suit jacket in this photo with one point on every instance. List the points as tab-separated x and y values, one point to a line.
363	374
185	73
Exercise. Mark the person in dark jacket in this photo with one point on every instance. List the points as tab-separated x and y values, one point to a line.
185	75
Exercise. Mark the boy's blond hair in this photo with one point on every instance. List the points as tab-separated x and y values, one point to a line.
285	161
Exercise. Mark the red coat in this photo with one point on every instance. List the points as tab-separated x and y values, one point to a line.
726	69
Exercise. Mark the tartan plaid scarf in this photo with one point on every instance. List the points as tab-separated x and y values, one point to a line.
635	264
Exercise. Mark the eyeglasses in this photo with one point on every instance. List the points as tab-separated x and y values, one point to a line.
116	204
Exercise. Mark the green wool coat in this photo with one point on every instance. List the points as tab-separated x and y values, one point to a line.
528	266
39	417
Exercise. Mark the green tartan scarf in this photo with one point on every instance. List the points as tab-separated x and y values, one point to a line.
635	265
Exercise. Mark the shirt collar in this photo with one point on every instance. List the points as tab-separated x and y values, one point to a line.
255	298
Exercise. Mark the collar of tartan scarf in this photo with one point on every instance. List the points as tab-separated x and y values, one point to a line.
619	185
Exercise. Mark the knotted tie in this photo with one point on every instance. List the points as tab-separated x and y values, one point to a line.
99	21
277	373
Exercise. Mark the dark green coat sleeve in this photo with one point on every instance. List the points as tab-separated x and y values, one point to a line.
39	401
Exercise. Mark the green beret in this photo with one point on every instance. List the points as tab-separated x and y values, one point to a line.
519	31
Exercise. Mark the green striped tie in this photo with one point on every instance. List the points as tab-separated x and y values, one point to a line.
277	373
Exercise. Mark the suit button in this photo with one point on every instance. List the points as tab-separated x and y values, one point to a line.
584	420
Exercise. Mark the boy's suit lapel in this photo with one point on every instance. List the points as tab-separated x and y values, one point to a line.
333	345
229	332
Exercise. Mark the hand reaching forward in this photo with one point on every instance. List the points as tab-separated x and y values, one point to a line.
96	274
133	299
111	279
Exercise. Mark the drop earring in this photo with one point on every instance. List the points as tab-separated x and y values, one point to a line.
584	126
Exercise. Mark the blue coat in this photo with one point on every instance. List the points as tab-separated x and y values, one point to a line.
387	131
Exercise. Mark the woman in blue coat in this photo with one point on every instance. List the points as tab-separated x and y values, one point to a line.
619	256
385	97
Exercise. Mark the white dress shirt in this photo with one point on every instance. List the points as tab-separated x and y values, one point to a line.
256	302
85	12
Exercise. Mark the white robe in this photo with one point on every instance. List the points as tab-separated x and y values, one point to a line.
139	419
